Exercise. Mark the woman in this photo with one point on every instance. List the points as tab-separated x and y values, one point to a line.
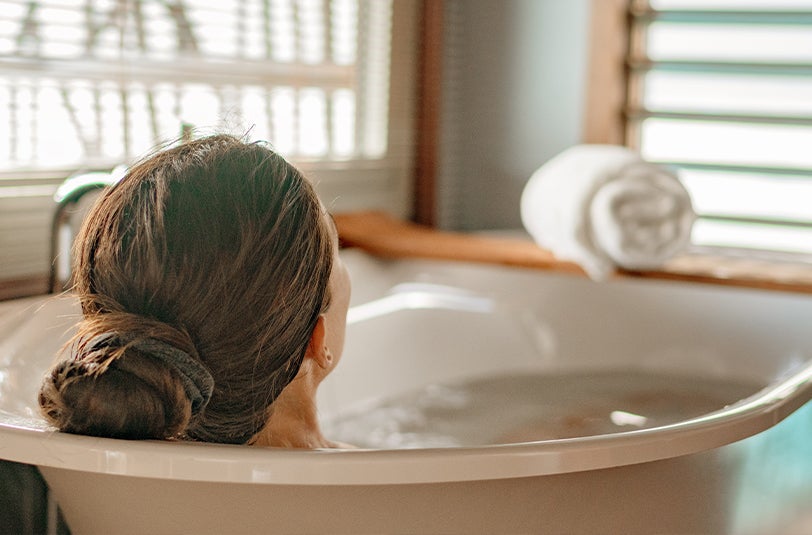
214	303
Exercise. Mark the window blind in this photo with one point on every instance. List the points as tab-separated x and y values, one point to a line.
89	84
722	91
108	80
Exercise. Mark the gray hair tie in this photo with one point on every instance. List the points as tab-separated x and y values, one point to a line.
198	383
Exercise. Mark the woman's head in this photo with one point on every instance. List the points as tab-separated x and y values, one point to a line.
217	249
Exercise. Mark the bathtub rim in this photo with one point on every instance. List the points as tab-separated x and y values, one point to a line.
222	463
29	442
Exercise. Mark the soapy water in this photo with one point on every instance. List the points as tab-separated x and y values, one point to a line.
531	407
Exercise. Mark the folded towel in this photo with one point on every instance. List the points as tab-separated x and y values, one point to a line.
603	206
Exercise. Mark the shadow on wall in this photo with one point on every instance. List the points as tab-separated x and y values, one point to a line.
514	83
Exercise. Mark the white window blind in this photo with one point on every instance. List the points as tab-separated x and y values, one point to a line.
722	90
90	84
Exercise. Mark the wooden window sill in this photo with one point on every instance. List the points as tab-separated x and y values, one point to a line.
14	289
385	236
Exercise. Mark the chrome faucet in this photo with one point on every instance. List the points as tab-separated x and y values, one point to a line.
67	198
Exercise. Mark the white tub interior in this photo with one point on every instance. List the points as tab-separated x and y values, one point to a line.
419	321
415	323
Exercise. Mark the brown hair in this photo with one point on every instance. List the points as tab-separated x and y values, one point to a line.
217	248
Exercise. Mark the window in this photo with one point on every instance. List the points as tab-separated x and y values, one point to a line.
722	90
89	84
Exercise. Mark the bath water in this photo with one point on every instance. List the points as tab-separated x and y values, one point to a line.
529	407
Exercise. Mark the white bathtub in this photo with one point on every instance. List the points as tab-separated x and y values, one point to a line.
743	469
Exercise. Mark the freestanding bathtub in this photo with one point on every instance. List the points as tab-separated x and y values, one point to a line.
745	468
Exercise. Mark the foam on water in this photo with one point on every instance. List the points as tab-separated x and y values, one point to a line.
530	407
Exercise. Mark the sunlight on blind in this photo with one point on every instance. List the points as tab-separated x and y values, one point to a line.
724	143
722	90
95	82
728	92
746	42
766	5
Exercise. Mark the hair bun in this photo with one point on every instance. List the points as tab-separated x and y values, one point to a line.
125	386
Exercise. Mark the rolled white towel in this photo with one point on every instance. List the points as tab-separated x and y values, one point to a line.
603	206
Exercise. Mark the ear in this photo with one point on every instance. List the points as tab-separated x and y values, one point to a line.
317	347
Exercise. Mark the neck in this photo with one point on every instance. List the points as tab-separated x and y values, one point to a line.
294	422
